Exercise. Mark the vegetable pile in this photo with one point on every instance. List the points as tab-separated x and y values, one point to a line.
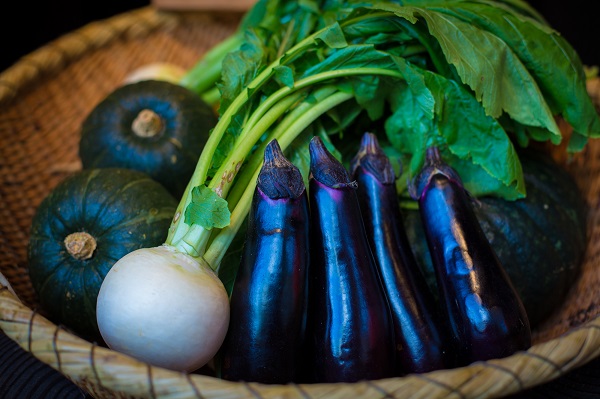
365	307
468	83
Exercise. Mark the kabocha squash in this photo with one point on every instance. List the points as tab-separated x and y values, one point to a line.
89	221
540	239
156	127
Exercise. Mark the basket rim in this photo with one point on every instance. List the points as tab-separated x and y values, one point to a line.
66	352
84	362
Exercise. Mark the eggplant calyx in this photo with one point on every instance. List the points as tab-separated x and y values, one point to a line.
80	245
279	178
147	124
373	160
325	168
433	166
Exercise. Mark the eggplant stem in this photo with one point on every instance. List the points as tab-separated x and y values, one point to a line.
325	168
433	156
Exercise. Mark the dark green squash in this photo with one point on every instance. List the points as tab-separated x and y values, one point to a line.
540	239
89	221
156	127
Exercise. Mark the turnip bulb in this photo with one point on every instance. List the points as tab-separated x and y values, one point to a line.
163	307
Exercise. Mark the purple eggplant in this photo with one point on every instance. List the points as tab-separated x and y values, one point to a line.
418	331
268	300
484	312
351	332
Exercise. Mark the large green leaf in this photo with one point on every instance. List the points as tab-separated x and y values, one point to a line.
488	66
488	161
240	67
473	135
549	58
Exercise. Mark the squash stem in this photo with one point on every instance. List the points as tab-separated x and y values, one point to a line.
147	124
80	245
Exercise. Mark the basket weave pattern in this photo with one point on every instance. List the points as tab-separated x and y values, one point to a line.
43	101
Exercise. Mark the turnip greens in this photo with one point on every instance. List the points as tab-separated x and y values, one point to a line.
476	78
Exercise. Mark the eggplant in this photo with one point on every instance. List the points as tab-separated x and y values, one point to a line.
483	310
268	299
418	331
350	336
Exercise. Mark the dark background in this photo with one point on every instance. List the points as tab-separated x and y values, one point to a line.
28	25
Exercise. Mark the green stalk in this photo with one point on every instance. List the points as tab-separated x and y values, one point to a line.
288	135
211	96
255	161
413	49
261	119
311	81
218	247
193	239
178	228
247	139
207	71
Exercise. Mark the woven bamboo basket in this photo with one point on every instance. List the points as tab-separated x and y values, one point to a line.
44	98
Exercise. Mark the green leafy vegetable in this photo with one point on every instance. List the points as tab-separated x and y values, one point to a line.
475	78
207	209
563	85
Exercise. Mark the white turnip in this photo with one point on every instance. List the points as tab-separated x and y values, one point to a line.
163	307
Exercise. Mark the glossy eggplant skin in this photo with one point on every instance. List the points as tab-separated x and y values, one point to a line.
268	300
351	332
418	330
485	314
